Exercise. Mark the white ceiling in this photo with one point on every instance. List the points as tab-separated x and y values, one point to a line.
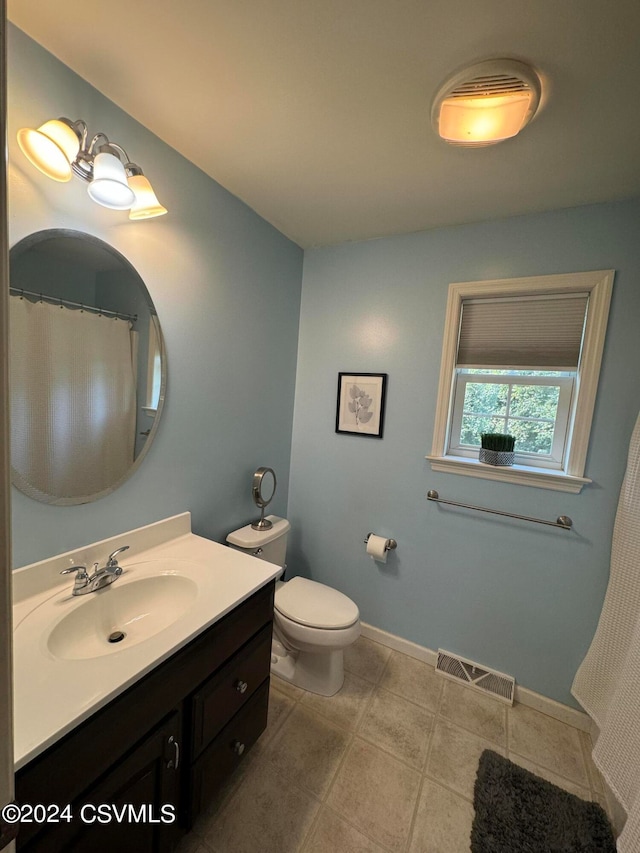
317	112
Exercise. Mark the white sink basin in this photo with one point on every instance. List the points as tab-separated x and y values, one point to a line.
138	610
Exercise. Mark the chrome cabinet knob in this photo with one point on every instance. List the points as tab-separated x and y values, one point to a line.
238	747
257	552
241	686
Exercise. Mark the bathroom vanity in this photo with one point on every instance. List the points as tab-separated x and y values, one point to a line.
138	739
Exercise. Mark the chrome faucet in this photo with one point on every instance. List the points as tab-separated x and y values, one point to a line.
85	583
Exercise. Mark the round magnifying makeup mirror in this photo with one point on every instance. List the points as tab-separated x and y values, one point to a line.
263	489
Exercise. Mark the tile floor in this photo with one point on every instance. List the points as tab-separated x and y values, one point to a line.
385	766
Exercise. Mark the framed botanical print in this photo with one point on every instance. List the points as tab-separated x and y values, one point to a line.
360	407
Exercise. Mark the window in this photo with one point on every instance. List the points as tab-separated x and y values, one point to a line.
531	405
522	356
154	370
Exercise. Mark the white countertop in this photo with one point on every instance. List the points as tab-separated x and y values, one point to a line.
53	695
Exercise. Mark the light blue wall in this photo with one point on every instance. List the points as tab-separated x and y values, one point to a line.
519	597
226	286
524	599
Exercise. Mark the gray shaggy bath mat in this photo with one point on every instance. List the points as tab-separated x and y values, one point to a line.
517	812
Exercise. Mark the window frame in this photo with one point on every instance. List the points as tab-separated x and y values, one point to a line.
598	284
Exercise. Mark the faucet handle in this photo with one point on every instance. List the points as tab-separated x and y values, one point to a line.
82	578
111	559
81	570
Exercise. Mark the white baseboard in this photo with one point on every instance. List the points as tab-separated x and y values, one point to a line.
564	713
399	644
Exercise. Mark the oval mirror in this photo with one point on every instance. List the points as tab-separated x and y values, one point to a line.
87	370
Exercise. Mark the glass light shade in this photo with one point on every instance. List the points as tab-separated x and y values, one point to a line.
485	119
51	148
109	185
146	204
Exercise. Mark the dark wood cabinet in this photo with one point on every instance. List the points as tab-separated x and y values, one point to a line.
224	694
161	749
226	751
127	809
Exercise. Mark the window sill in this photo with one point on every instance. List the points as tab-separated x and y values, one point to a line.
541	478
150	411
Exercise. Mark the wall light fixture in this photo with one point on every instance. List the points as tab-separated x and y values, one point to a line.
486	103
61	148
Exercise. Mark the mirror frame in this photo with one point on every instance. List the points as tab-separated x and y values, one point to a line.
19	248
256	487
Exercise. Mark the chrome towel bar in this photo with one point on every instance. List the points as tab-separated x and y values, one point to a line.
563	521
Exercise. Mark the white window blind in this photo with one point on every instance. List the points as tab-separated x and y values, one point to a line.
520	332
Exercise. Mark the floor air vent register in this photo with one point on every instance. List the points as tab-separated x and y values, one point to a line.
496	684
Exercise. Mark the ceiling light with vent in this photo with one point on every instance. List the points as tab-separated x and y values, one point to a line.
486	103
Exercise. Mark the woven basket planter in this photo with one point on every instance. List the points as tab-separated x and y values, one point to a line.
497	457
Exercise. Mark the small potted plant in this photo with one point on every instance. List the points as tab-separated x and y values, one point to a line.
496	448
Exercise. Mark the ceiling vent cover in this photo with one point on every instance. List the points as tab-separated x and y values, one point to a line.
486	103
472	674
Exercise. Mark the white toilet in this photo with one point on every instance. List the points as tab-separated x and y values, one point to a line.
313	623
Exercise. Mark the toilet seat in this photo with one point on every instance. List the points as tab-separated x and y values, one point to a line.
313	640
315	605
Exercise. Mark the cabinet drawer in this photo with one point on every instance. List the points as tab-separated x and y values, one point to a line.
224	694
217	762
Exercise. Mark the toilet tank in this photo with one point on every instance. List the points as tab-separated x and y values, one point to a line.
269	545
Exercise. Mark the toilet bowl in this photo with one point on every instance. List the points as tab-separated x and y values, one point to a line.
313	623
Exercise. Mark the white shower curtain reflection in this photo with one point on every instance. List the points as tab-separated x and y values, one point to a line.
73	398
607	684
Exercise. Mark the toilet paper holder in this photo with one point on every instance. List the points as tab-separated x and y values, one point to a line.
389	545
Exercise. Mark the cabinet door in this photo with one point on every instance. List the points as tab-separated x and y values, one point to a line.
138	800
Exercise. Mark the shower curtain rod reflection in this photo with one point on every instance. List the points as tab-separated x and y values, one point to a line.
563	521
58	300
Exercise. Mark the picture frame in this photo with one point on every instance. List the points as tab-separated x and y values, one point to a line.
361	403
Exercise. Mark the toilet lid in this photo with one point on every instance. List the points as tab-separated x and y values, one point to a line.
315	605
